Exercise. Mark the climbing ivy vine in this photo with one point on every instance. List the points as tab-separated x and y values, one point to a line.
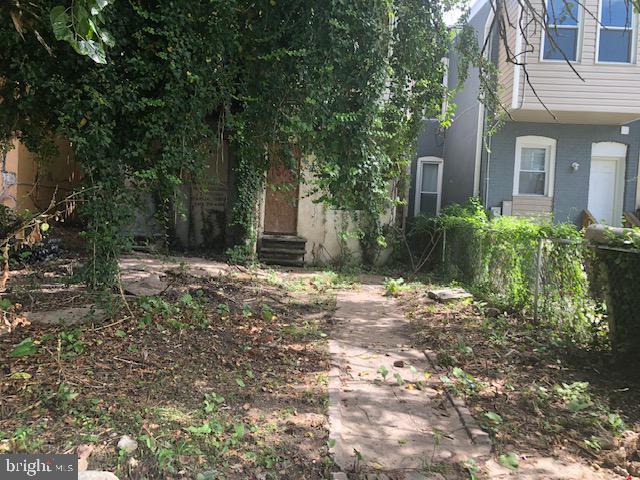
345	83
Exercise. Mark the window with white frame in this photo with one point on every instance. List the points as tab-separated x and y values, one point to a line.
534	166
561	40
616	31
428	186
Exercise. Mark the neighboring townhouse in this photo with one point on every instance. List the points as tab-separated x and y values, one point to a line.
582	157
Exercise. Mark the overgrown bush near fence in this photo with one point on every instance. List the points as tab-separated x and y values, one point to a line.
418	245
572	290
518	264
621	266
588	292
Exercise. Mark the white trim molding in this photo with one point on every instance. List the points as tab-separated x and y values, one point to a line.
609	149
445	85
418	185
534	141
515	93
617	152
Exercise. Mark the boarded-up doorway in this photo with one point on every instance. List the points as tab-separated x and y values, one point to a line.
281	202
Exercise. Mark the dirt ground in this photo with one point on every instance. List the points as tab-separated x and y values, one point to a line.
224	376
537	396
216	378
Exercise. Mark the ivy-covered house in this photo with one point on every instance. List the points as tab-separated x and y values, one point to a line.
296	228
292	228
569	146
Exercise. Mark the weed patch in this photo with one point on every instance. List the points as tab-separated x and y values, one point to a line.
528	390
199	377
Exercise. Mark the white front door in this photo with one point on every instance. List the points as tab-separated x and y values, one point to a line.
605	190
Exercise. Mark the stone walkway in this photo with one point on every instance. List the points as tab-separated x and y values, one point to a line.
379	425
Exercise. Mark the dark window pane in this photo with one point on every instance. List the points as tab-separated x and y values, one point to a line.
566	41
616	13
531	183
615	46
562	12
429	204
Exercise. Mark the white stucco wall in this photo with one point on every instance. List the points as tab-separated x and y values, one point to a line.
321	227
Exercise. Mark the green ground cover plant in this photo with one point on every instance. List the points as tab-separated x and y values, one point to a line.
528	390
214	379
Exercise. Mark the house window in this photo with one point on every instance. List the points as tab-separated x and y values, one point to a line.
428	186
616	31
562	32
534	166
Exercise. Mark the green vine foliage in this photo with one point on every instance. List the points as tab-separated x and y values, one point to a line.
471	54
135	123
587	292
366	141
343	83
622	269
506	260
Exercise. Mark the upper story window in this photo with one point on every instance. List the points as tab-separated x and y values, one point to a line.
563	27
616	31
534	166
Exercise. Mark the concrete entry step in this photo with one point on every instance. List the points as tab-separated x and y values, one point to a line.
280	240
286	250
282	250
281	260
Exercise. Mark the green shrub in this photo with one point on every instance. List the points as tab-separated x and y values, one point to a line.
621	268
393	286
507	259
241	254
419	244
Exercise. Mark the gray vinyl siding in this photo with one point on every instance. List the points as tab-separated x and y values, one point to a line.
430	144
461	138
458	144
573	145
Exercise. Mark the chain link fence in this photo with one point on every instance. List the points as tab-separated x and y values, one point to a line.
571	284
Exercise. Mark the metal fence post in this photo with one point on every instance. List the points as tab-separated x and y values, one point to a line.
536	291
444	246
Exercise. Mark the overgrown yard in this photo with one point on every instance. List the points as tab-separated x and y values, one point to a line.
536	395
215	378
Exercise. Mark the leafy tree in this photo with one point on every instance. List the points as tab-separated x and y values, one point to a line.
345	83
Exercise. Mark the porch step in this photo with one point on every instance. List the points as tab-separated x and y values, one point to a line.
289	262
282	250
283	239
